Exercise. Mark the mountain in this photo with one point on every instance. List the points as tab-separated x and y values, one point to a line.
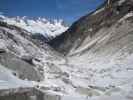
92	60
89	25
49	29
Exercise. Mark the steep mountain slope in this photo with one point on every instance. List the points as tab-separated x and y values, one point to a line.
88	26
49	29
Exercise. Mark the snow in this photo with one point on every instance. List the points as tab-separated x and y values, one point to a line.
106	67
121	2
8	81
98	11
130	14
104	72
40	25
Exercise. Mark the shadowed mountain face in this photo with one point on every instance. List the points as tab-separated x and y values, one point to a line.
105	16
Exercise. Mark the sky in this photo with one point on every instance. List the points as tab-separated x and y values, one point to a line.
68	10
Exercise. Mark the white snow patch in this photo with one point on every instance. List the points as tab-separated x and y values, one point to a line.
98	11
126	16
121	2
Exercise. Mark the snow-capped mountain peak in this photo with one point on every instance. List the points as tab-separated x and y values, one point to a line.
49	29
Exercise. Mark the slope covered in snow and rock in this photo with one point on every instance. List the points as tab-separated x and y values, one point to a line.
92	60
99	51
49	29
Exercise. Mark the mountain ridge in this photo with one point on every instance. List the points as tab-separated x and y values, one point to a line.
48	28
75	32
